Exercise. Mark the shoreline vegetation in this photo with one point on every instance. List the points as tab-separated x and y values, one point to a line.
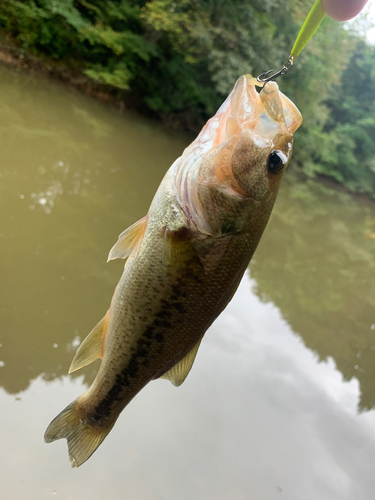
177	61
13	56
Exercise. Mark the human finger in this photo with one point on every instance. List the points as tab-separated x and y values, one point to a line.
343	10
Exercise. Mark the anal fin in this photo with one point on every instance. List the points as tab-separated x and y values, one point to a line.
91	348
128	240
180	371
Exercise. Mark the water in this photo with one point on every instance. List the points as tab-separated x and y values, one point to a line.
280	402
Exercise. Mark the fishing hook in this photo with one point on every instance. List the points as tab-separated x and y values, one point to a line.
264	78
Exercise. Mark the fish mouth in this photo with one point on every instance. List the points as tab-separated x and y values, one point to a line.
268	113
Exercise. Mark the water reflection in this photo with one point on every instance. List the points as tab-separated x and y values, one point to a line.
316	262
261	415
258	416
72	178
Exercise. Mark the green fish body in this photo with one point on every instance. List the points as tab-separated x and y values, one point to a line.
185	259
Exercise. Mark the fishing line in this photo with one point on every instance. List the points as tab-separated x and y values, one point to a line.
309	27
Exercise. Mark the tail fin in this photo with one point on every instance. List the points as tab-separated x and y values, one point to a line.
83	439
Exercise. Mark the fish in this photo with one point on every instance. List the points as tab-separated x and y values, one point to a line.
184	259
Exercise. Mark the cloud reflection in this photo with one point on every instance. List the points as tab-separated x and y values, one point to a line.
258	415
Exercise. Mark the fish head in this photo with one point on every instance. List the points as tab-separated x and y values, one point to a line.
240	154
256	129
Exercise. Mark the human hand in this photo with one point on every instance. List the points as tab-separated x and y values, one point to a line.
343	10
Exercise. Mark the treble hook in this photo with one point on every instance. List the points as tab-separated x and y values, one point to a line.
287	65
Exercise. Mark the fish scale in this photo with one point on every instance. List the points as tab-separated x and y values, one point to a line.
185	259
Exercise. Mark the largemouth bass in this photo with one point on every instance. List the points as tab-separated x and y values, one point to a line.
185	259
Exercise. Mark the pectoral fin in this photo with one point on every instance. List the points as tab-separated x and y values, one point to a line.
178	248
179	372
91	348
128	240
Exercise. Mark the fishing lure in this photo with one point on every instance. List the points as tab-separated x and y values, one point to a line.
309	27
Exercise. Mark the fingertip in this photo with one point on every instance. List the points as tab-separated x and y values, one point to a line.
343	10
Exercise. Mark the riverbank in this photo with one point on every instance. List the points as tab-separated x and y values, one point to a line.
177	63
72	77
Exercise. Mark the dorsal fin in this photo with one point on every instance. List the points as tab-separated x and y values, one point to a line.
180	371
128	240
91	347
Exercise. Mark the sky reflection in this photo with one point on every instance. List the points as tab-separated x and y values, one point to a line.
258	416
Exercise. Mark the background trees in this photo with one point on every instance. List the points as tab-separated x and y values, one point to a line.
181	58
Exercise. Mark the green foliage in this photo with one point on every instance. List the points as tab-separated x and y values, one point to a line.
182	58
119	77
185	27
38	26
347	139
103	37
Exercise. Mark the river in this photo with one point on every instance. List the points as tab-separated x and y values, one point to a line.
280	401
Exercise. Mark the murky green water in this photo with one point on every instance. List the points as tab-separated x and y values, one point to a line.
280	401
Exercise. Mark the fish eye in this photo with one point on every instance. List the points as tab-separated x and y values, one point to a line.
276	162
